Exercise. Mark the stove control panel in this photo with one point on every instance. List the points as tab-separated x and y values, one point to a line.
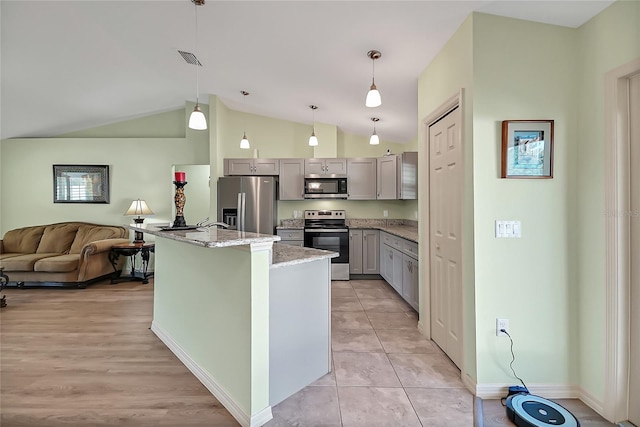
325	214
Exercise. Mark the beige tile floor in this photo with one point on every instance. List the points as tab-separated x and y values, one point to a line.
385	372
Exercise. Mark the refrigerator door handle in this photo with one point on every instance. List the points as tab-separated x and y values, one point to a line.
239	213
244	210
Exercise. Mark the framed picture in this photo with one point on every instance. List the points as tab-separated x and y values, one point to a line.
80	184
527	149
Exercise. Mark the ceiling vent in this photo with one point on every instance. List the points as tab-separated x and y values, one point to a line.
190	58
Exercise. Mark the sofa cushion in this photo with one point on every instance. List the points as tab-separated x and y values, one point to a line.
6	255
90	233
60	263
24	262
57	238
22	240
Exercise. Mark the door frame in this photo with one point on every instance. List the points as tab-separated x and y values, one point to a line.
424	322
617	241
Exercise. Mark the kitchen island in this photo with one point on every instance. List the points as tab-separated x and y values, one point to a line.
251	320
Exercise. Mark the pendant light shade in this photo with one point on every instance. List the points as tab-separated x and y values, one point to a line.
373	96
374	140
197	120
244	142
313	140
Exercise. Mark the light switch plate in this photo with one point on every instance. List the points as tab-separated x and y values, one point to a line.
508	229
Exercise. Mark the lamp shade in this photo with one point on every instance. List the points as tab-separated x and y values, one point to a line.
197	121
244	143
374	140
138	207
373	97
313	140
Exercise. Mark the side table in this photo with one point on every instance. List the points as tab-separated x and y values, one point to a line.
131	250
4	279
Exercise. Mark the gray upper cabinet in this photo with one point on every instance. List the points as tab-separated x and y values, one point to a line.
325	168
267	167
291	179
398	177
387	178
361	178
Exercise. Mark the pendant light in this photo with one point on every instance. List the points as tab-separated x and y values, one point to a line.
197	120
373	96
244	143
374	140
313	141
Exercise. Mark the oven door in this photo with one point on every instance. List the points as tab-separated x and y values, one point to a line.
329	239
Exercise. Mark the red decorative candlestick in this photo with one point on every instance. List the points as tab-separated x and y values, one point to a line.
180	199
181	176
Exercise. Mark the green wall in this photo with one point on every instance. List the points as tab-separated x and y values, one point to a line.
608	41
549	283
451	70
141	153
531	76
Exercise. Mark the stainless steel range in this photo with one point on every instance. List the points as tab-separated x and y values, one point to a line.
327	229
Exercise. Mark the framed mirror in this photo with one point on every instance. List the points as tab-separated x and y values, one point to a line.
80	184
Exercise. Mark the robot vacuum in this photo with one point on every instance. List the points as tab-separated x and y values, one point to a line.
528	410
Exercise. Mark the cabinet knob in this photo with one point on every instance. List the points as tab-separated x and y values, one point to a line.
437	247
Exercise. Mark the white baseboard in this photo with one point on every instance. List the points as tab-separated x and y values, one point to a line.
591	401
245	420
550	391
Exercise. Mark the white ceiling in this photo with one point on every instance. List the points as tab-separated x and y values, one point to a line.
71	65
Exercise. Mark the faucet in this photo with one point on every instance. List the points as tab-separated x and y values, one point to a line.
215	224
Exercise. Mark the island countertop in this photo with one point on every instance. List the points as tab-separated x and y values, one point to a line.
284	255
208	238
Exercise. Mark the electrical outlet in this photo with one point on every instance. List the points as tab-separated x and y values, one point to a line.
385	213
502	324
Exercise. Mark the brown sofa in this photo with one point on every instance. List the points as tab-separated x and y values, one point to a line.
66	253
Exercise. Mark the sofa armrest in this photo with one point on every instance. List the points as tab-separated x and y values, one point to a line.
1	246
99	246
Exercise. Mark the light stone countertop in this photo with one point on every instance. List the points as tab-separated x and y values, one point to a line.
209	238
284	255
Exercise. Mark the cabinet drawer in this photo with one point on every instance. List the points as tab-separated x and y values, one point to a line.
391	240
291	234
410	248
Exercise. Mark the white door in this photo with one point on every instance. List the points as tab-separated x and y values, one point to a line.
445	213
634	355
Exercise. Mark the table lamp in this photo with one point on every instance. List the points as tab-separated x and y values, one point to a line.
138	207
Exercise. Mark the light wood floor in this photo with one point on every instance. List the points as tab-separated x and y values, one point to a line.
85	357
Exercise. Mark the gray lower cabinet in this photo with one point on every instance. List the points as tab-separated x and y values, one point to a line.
293	236
399	266
364	252
291	179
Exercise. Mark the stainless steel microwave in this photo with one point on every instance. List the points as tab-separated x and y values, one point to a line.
325	188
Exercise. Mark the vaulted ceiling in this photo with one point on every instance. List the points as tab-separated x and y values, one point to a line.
71	65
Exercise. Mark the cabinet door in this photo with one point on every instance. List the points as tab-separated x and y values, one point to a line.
238	167
336	166
361	174
387	178
410	281
386	263
314	167
370	252
291	179
270	167
355	251
397	271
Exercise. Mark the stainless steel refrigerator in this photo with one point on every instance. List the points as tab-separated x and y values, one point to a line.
248	203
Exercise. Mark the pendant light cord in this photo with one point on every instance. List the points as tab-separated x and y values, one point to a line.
373	71
197	59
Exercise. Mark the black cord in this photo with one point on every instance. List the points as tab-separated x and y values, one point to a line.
513	359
